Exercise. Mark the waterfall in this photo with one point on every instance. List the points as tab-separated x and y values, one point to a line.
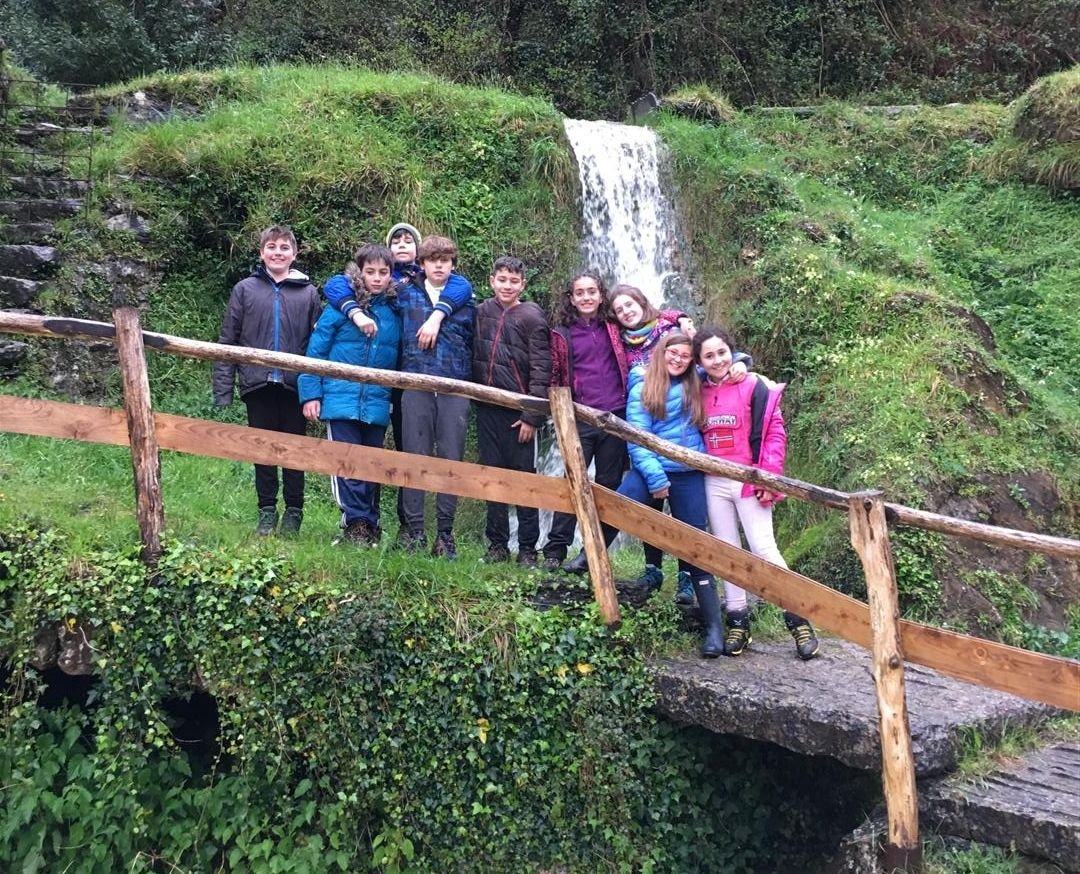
629	223
630	228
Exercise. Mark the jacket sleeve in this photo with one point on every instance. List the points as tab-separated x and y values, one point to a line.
339	292
745	357
645	461
539	349
309	386
457	292
224	374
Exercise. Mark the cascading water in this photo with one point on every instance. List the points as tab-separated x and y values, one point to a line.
630	228
629	221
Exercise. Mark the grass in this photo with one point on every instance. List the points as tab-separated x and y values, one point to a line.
978	755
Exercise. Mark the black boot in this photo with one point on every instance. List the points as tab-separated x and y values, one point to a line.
806	642
709	603
579	564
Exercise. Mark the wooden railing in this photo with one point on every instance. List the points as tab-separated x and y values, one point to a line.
877	626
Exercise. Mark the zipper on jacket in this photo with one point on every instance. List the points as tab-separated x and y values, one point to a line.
275	374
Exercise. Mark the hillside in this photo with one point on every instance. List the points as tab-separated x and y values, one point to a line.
296	706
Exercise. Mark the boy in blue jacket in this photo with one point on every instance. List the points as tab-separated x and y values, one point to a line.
354	412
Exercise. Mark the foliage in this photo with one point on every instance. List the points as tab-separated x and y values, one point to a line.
591	57
407	728
700	103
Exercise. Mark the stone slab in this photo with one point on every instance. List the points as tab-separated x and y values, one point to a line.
17	292
826	707
29	262
1031	804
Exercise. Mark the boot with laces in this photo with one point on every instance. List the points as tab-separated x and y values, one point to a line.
267	521
684	591
444	546
806	642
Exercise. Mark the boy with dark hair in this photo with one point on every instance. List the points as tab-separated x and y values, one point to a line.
437	341
511	350
355	412
274	308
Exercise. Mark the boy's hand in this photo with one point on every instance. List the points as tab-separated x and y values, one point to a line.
686	325
736	373
366	326
429	331
526	432
312	410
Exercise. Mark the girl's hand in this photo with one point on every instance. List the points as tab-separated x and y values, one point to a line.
765	496
736	373
365	325
686	325
312	410
661	493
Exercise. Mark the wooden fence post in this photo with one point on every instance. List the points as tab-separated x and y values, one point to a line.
577	473
145	460
870	537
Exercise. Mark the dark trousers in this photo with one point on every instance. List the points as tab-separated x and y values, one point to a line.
276	408
395	430
686	497
609	454
498	446
358	499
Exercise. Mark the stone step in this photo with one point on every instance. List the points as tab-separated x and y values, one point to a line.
39	210
29	262
43	186
28	134
17	292
26	232
1031	804
12	355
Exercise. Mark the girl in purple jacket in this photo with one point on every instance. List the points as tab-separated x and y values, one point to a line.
743	424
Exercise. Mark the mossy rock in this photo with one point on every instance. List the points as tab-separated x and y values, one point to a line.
700	103
1049	111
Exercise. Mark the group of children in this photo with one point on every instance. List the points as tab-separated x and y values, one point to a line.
402	306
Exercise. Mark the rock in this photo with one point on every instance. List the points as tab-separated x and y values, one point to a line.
827	707
31	262
132	223
27	232
1032	805
12	355
37	210
16	292
860	851
46	647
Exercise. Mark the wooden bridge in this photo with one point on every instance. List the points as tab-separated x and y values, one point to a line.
875	627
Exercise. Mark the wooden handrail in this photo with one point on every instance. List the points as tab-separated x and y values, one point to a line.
52	326
1031	675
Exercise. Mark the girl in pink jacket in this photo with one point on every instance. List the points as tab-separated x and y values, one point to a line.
743	423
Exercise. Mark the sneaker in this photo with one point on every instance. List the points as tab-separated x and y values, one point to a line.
552	563
806	642
684	592
290	522
444	546
267	521
652	578
409	540
738	636
496	554
361	533
526	557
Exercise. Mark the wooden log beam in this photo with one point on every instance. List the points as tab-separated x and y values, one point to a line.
870	537
577	475
1051	680
145	461
241	443
51	326
1037	677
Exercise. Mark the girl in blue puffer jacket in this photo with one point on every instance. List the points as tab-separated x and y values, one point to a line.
355	412
665	399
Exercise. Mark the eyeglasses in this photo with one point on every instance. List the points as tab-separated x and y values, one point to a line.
677	356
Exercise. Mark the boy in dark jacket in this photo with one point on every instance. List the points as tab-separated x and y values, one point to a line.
355	412
511	350
275	308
